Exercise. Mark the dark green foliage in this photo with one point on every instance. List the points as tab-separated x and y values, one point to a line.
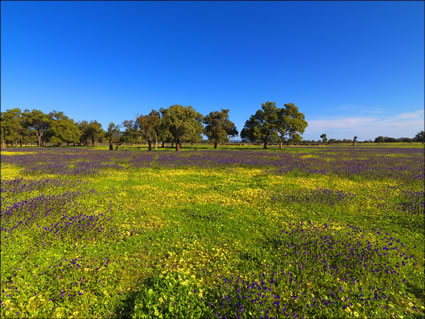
184	124
420	137
148	127
90	132
11	127
271	124
262	125
37	122
380	139
291	123
164	134
130	134
176	124
64	131
219	127
113	134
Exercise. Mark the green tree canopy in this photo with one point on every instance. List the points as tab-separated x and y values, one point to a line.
290	124
113	134
148	126
380	139
58	115
262	126
164	134
324	138
11	127
64	130
130	134
90	132
420	137
37	122
183	123
218	127
271	124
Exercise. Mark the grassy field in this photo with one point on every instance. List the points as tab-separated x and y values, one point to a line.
315	232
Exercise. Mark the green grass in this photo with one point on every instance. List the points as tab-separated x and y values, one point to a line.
186	243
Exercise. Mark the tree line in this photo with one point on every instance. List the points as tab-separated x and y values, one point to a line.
175	124
419	137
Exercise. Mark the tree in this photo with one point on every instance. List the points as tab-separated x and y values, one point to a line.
113	134
83	126
290	124
380	139
183	123
195	136
324	138
63	130
262	125
218	127
54	115
37	122
164	134
148	127
420	137
90	132
11	127
405	139
130	134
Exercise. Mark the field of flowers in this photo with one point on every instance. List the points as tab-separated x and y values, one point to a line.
316	232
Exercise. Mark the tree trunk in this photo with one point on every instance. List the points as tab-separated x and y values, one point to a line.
178	146
111	147
265	145
163	144
156	142
39	138
281	144
172	144
116	147
215	144
149	145
3	144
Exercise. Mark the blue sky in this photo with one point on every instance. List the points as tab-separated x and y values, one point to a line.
353	68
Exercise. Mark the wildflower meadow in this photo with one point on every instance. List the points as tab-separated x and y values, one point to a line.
238	232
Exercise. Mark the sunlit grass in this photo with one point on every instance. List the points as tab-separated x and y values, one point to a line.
205	242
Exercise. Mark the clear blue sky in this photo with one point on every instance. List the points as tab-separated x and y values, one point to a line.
353	68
